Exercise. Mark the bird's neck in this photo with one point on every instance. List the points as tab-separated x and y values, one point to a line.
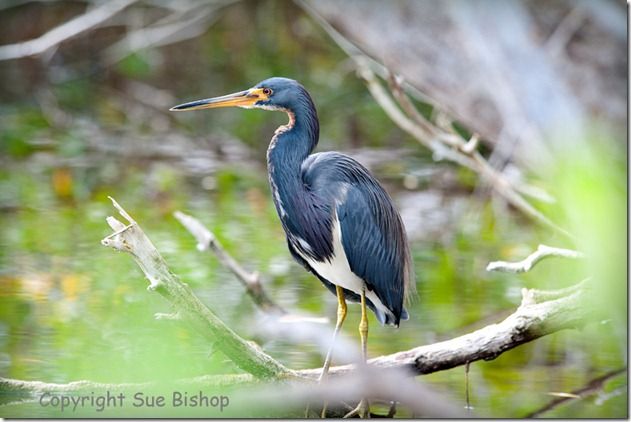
291	145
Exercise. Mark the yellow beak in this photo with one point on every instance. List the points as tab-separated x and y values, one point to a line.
245	99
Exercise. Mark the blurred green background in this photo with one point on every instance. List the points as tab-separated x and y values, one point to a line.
75	128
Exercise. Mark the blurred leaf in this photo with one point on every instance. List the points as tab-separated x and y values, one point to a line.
590	185
134	66
62	182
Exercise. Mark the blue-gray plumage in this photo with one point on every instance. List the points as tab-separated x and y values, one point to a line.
340	223
372	233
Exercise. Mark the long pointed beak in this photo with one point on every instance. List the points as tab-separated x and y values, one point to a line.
245	98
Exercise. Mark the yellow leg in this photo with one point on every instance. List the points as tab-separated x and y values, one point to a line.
363	327
341	316
363	408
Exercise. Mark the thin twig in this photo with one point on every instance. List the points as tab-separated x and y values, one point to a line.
592	387
353	51
565	30
466	387
404	122
531	260
431	131
206	240
531	296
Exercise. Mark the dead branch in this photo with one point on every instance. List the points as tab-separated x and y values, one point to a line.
445	144
530	296
533	319
92	18
531	260
537	316
593	387
131	239
206	241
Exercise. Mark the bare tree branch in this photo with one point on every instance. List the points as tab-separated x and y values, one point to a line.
131	239
92	18
178	26
530	321
206	240
531	260
447	145
530	296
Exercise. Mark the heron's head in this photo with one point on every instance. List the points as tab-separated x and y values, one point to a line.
271	94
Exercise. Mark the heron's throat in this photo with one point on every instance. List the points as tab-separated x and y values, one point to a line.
288	126
292	143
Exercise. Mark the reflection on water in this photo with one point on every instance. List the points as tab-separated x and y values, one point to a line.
71	309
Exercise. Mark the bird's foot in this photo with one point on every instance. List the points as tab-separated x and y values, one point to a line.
323	413
362	410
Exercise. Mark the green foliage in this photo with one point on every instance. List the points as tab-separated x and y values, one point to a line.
18	131
591	186
134	66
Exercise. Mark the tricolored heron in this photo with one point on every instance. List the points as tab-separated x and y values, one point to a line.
341	225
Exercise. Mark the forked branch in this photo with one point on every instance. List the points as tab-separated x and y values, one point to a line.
531	260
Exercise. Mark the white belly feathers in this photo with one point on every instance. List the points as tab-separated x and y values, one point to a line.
338	271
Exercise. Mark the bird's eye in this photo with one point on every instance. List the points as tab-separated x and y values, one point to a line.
267	91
